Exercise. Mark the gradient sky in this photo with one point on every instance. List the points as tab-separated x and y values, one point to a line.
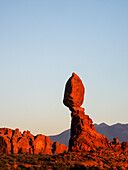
42	42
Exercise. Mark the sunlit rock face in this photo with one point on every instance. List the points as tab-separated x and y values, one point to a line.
13	141
74	92
83	134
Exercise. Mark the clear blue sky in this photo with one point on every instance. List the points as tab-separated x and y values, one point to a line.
42	42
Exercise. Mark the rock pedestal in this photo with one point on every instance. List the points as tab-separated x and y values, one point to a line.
83	134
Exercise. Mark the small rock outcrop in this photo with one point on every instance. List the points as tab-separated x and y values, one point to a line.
124	146
115	141
59	148
83	134
13	141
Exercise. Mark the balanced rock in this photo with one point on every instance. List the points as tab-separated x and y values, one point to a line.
83	134
74	92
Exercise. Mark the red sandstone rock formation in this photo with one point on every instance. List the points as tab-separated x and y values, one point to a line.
13	141
124	146
5	145
42	144
59	148
115	141
74	92
83	134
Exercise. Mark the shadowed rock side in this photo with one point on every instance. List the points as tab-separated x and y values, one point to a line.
83	134
13	141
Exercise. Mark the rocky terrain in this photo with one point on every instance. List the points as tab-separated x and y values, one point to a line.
88	149
100	159
13	141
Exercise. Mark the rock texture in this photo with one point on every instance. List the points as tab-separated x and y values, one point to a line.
74	92
13	141
83	134
115	141
124	146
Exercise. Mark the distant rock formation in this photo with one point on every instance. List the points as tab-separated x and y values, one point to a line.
83	134
115	141
13	141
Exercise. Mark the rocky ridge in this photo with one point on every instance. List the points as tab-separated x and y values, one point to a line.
13	141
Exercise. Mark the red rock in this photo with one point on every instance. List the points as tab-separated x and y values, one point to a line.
5	144
124	146
59	148
74	92
29	136
12	141
6	131
17	131
20	145
42	144
115	141
83	134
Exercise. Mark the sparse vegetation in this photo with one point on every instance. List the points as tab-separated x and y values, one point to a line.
97	160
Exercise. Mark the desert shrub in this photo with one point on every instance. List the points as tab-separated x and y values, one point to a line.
91	158
23	167
120	168
93	168
44	167
18	168
78	167
124	153
3	165
92	151
30	168
60	166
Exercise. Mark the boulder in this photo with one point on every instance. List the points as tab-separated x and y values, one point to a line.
59	148
74	92
42	144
